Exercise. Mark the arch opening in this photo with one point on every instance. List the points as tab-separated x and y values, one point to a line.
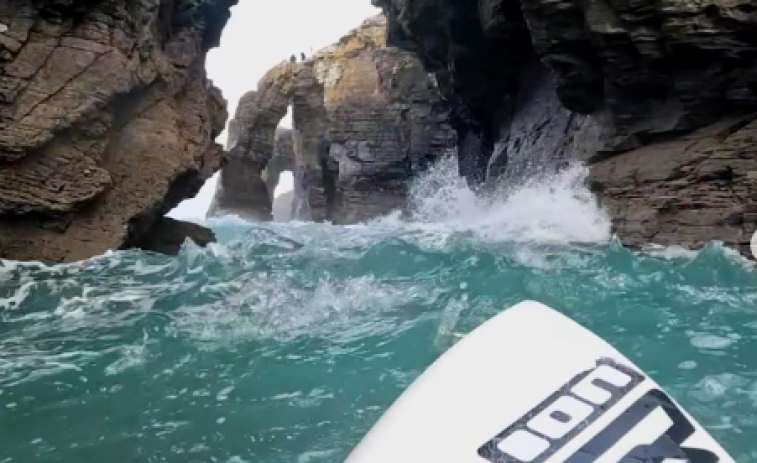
365	118
259	35
283	198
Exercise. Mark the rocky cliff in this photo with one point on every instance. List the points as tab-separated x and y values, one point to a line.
367	118
658	97
107	121
247	184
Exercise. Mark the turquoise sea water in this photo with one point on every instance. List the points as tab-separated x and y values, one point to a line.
285	342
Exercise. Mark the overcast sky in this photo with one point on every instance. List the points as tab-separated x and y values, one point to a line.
260	34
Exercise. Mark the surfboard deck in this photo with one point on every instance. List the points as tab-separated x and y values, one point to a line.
533	386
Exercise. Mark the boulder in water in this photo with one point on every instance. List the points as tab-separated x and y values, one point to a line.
168	235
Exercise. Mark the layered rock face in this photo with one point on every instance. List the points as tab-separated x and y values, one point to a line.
107	121
247	184
367	118
697	188
281	161
655	96
242	189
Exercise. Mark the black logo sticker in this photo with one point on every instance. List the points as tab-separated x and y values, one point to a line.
650	431
666	447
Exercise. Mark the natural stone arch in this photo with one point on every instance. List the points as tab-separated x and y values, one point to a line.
241	190
281	161
313	173
366	120
245	188
387	122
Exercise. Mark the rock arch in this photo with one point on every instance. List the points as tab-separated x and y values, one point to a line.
281	161
366	119
258	148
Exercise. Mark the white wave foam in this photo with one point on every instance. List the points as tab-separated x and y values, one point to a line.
448	320
231	220
15	300
551	209
276	306
131	356
670	252
554	209
711	341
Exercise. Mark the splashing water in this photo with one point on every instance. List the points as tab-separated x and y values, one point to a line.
285	342
551	209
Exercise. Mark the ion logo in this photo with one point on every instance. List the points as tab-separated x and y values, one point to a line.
651	430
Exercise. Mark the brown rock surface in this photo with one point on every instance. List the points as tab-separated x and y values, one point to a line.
366	119
107	120
688	191
621	84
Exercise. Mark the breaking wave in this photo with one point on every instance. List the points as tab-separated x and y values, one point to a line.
285	342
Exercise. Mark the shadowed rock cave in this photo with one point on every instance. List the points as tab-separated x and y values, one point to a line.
658	99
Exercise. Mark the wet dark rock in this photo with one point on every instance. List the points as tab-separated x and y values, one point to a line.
626	86
168	235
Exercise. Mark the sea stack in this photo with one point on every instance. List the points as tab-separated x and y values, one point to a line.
367	119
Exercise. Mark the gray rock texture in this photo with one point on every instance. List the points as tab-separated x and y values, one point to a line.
646	92
107	120
281	161
248	181
367	118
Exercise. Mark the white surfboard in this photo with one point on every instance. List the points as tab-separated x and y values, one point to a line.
532	386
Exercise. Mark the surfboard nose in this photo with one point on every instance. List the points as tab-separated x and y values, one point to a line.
532	386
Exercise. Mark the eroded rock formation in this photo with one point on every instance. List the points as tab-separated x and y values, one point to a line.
281	161
700	187
248	181
656	96
107	120
366	119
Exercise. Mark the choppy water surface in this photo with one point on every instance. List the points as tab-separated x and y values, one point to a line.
285	342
